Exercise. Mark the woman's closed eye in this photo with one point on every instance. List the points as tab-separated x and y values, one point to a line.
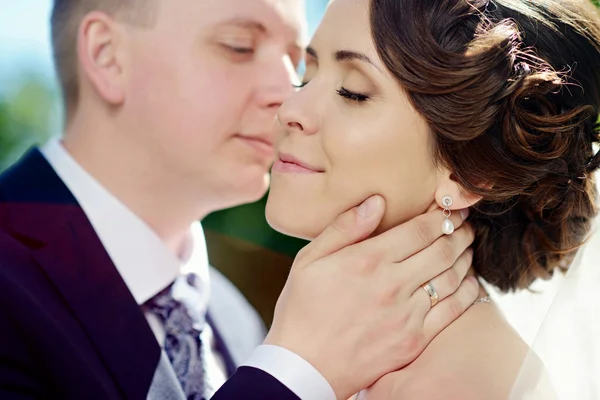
343	92
352	96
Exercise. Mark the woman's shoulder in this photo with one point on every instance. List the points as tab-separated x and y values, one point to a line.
477	357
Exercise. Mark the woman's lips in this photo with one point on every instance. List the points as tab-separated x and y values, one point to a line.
289	164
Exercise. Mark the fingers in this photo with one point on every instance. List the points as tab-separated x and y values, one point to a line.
448	310
348	228
444	284
439	257
407	239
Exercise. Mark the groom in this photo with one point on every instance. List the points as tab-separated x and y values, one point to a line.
104	279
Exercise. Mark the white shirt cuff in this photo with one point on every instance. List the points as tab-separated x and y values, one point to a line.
293	371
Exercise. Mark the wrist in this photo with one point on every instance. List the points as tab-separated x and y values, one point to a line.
318	360
293	371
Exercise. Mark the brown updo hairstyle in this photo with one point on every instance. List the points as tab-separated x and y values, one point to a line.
510	90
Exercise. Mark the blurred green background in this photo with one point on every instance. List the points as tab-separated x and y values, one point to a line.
240	242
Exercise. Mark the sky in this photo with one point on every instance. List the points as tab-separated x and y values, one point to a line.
25	37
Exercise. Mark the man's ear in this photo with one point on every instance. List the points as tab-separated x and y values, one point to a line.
100	54
460	198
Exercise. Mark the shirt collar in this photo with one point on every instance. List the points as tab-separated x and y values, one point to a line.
143	260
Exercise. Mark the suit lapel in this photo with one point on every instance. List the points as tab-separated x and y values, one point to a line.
222	347
38	207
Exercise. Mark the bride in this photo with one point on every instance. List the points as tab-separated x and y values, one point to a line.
491	105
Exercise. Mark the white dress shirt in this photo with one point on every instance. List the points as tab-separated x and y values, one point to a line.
148	266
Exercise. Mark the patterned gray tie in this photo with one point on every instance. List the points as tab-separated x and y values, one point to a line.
183	343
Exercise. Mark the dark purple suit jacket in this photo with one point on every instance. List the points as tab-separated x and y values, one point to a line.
69	327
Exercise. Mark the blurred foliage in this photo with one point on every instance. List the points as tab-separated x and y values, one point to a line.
248	223
27	113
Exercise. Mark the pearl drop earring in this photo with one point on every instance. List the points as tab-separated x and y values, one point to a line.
447	225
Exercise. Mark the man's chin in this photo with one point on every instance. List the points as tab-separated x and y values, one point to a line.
254	190
261	189
266	182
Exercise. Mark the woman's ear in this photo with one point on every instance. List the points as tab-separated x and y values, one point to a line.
460	198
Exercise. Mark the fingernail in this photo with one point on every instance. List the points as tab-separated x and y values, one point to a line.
368	207
464	213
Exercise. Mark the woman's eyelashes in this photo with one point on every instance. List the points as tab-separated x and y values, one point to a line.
352	96
343	92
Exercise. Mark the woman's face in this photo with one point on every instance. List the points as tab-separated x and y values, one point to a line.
354	130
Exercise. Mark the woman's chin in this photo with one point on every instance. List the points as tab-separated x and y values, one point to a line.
289	228
290	223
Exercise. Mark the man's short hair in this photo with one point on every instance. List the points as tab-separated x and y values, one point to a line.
65	20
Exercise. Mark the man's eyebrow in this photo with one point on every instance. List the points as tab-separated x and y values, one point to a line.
244	23
257	26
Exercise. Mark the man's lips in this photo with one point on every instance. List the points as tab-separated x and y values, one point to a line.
287	163
263	145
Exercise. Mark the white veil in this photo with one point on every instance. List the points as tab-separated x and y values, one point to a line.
568	339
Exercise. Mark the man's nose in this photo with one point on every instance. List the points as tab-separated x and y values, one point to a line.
277	84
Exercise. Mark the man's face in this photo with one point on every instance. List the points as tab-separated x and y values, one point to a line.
204	89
